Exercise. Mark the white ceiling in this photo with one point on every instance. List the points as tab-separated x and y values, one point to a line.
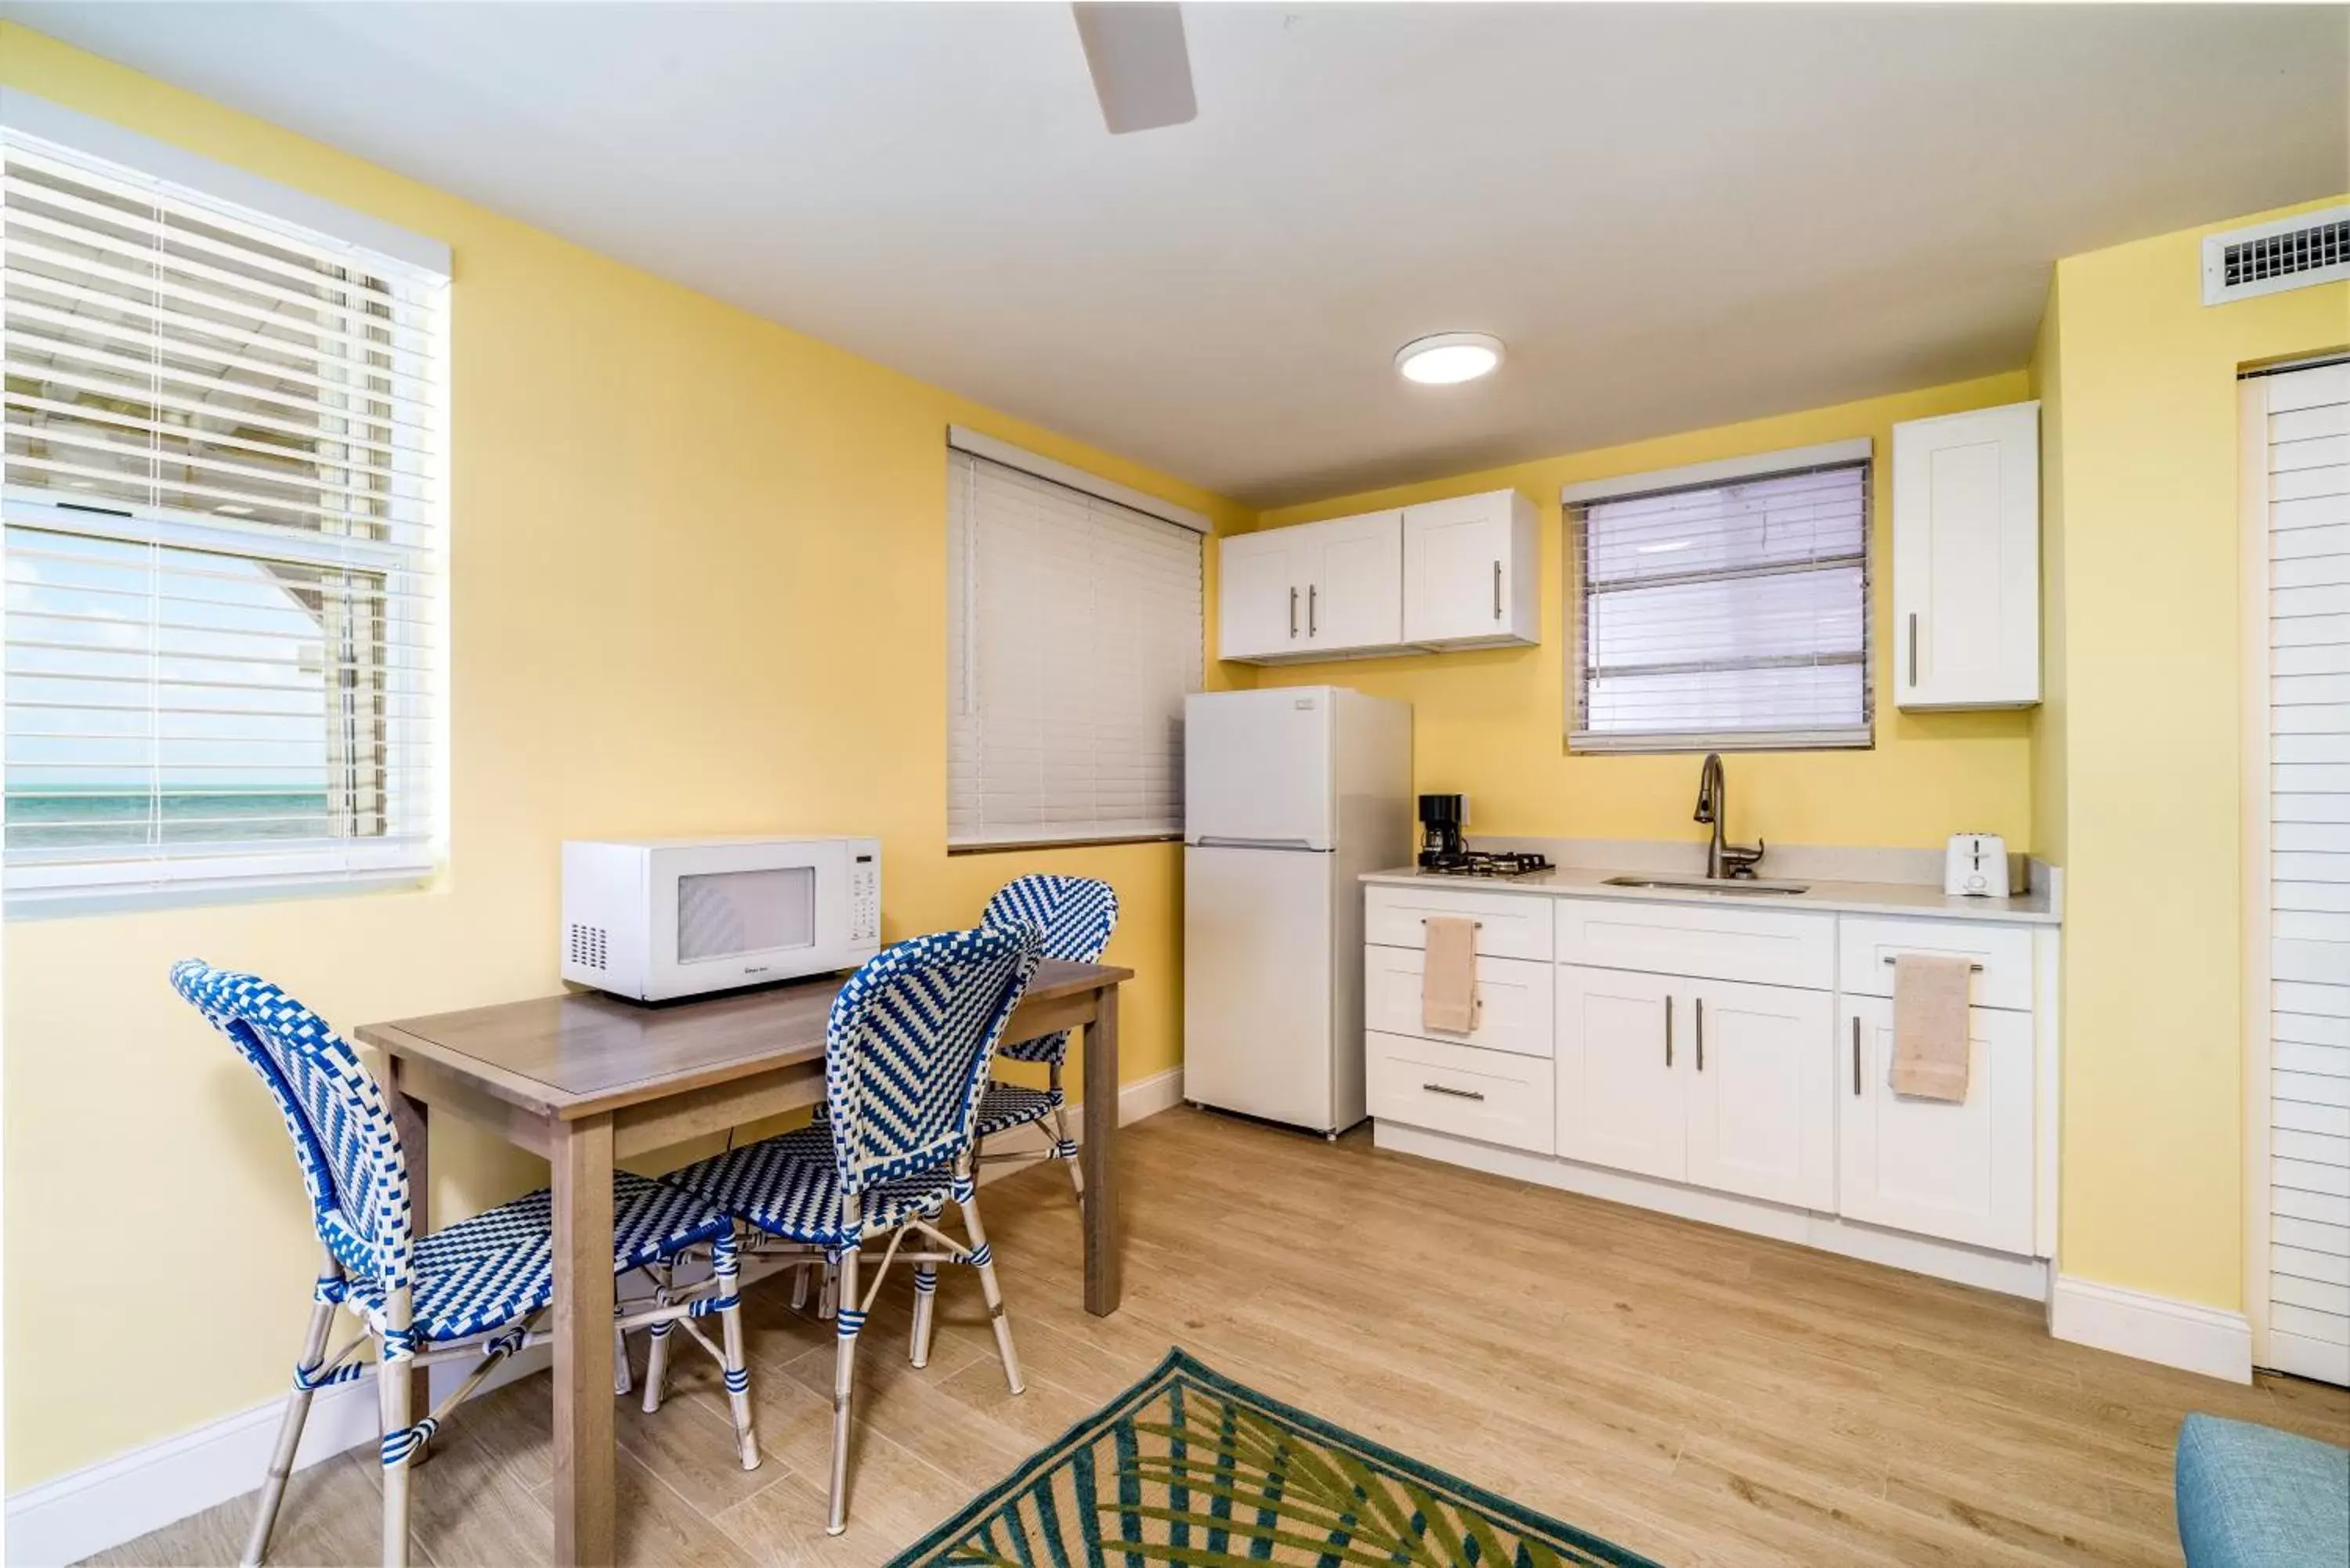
1677	215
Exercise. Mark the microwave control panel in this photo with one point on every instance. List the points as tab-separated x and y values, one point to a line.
865	899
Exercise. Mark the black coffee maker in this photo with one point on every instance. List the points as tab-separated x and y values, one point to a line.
1441	818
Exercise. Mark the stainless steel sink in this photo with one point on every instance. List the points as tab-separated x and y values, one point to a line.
1740	887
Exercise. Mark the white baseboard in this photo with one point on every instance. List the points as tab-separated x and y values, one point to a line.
2186	1335
2002	1271
121	1499
147	1488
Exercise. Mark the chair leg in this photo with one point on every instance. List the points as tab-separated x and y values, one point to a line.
984	1261
621	1387
657	1365
848	1318
1065	1147
727	1270
392	1397
289	1434
926	1300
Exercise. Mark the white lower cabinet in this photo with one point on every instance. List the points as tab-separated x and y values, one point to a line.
1959	1172
1753	1078
1713	1083
1762	1097
1620	1101
1490	1095
1514	1001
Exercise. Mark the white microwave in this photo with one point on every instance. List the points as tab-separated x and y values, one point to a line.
654	919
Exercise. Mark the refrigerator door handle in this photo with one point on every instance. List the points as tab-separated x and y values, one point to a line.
1210	841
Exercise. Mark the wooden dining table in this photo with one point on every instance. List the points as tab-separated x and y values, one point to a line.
587	1079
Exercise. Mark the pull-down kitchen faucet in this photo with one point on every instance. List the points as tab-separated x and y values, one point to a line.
1722	860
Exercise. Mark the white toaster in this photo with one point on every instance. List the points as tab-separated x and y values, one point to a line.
1977	865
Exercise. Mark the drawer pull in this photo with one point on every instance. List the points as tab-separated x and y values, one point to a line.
1891	956
1480	925
1456	1094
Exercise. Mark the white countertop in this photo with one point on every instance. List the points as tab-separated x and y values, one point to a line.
1916	899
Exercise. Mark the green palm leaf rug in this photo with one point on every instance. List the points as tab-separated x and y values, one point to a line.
1189	1467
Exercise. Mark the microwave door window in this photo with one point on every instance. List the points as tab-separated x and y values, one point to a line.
727	914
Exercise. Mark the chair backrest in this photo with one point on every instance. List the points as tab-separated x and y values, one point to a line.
906	1048
344	1138
1077	913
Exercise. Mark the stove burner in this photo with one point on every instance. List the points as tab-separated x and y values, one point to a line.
1482	863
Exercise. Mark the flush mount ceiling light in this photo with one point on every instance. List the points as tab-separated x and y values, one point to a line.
1448	357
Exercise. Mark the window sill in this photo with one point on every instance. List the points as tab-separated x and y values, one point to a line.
68	903
1034	843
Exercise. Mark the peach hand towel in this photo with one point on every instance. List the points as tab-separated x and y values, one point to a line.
1929	1026
1447	986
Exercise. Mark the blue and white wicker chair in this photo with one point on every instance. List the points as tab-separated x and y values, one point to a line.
1077	915
906	1055
477	1289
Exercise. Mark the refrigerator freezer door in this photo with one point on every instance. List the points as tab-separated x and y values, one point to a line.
1257	950
1256	767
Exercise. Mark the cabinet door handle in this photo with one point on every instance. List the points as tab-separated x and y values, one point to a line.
1701	1033
1855	1055
1293	612
1497	590
1913	649
1669	1032
1456	1094
1313	593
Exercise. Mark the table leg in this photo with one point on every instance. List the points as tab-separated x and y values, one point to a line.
582	1161
413	1118
1097	1157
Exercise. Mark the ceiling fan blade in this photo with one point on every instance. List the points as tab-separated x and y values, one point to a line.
1142	72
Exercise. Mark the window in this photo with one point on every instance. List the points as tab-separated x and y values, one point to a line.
1724	606
221	490
1073	633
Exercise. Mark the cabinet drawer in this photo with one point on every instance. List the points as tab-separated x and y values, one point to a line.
1868	947
1769	947
1514	1001
1509	925
1490	1095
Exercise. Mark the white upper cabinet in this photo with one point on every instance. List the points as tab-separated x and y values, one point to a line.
1354	598
1260	595
1315	591
1966	559
1470	572
1449	574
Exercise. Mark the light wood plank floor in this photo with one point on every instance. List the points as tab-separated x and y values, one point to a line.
1702	1396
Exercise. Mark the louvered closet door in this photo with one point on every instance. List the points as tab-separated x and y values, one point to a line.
2298	428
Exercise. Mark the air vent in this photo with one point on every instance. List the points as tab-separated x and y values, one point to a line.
586	946
2268	258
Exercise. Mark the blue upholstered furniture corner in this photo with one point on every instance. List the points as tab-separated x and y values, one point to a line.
2253	1497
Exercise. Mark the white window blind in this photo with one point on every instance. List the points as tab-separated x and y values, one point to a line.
222	488
1073	633
1728	615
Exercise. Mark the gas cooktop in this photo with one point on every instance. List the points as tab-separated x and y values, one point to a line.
1482	863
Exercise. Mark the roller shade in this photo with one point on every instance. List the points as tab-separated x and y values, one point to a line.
1725	616
1073	633
221	494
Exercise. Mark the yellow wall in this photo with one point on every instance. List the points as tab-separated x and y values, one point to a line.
2148	744
1492	722
699	578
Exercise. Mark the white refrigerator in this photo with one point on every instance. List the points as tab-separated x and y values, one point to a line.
1290	796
